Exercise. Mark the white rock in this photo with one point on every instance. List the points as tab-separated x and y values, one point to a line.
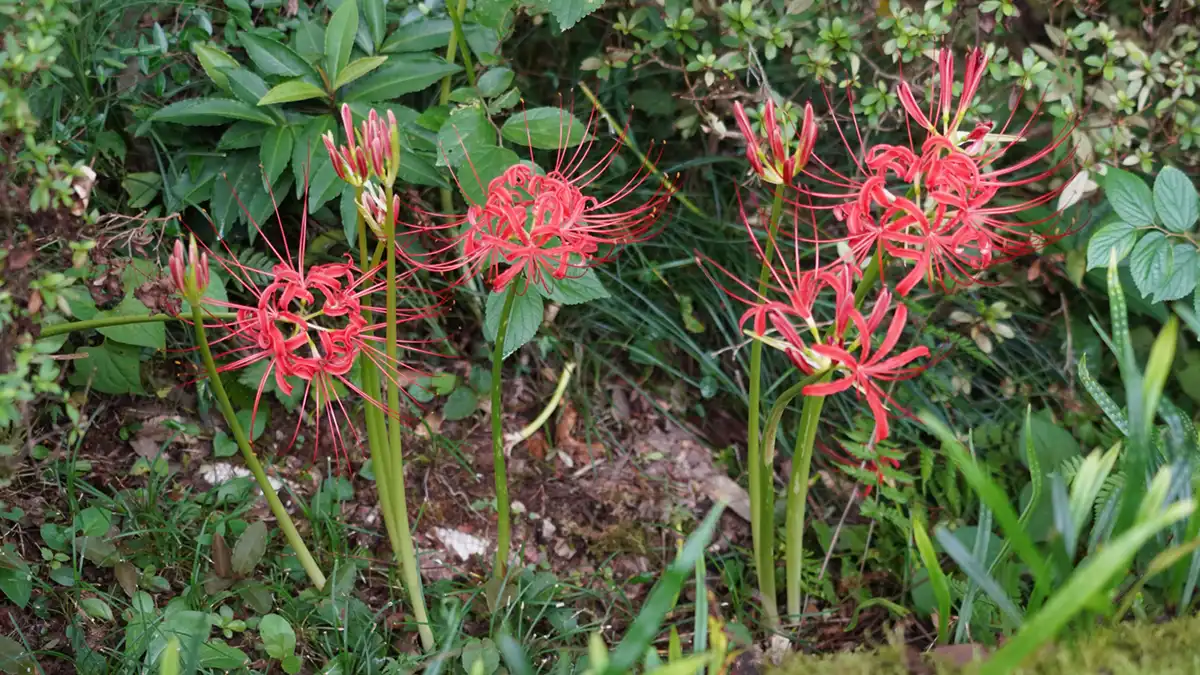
461	544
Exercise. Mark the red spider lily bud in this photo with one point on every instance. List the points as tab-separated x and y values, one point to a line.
776	166
373	208
190	275
806	139
976	65
946	84
176	265
909	103
349	161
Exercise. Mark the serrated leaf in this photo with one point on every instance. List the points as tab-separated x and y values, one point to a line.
569	12
339	37
1119	236
544	128
1176	200
576	288
276	152
292	91
1148	263
275	58
110	368
466	133
249	549
402	74
419	36
1179	273
209	112
461	404
486	163
1130	197
524	321
214	61
358	68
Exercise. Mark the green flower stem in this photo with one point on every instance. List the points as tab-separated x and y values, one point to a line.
628	143
91	324
394	475
281	515
761	476
504	518
456	19
797	498
452	48
556	398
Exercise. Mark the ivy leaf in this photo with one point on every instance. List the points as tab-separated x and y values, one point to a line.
1176	200
575	289
1149	262
523	324
544	128
1118	235
111	368
152	335
1130	197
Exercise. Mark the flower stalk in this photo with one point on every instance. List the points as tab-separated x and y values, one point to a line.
503	509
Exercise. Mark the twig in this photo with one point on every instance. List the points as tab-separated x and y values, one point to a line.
515	437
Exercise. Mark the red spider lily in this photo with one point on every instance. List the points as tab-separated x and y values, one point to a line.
865	371
307	324
188	269
373	151
774	164
937	205
538	225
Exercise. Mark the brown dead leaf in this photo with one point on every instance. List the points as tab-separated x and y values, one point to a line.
127	577
222	558
19	258
430	425
145	447
536	446
35	302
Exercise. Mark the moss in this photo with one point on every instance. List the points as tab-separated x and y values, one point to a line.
1169	648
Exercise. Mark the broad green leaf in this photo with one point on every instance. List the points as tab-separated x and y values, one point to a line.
1149	262
1130	197
524	321
15	659
261	202
494	82
578	287
374	14
250	548
1181	268
308	151
358	68
96	608
482	651
275	58
491	13
242	135
220	655
110	368
214	61
544	128
209	112
278	637
339	37
1052	444
466	133
348	211
233	188
1119	236
1176	200
419	36
309	40
402	74
415	169
142	188
276	152
460	405
246	85
569	12
485	164
292	91
153	334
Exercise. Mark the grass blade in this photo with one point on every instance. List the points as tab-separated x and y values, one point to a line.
974	569
937	579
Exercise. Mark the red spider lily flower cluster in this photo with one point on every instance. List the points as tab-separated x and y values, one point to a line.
775	164
308	325
374	151
539	226
936	206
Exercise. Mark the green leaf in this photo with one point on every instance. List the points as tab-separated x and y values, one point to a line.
96	608
523	324
111	368
214	61
415	169
246	85
402	74
491	13
483	651
260	419
494	82
308	151
1176	200
15	659
309	40
569	12
485	164
291	664
276	152
358	68
238	183
374	13
292	91
275	58
223	445
279	640
93	521
249	549
339	37
348	211
544	128
1181	268
577	288
1052	444
242	135
463	135
460	405
220	655
1130	197
1118	235
152	335
142	188
419	36
209	112
1148	263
